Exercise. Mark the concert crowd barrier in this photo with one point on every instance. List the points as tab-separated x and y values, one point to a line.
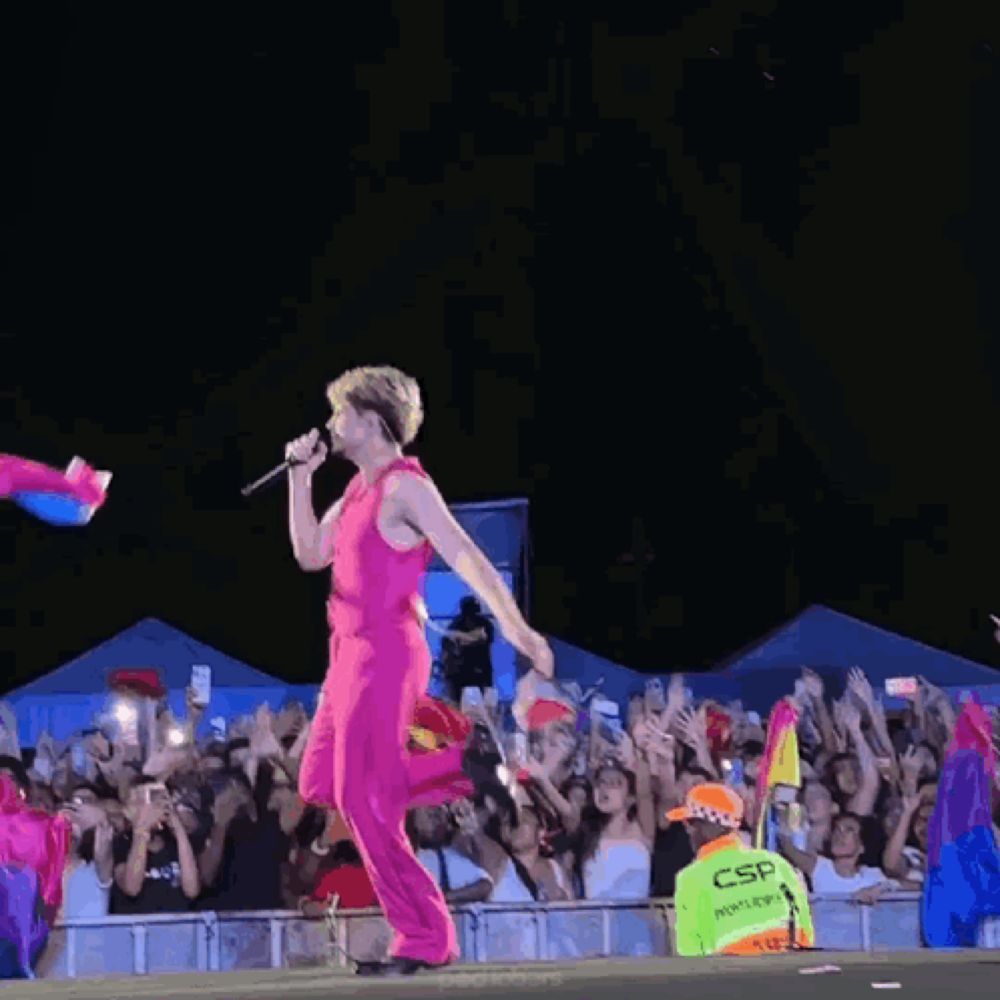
220	942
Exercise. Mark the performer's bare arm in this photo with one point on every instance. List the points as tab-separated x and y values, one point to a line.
805	862
423	508
311	539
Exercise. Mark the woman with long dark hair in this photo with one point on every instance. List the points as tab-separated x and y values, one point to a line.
530	874
615	853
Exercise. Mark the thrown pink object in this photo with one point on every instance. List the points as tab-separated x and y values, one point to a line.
21	475
356	760
34	839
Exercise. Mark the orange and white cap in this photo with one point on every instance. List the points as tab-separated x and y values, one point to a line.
715	803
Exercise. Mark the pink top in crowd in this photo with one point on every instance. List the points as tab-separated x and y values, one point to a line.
32	838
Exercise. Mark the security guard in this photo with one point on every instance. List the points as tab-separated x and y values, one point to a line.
734	900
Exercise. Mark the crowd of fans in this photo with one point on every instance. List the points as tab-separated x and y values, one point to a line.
569	809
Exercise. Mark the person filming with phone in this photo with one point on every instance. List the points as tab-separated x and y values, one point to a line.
155	867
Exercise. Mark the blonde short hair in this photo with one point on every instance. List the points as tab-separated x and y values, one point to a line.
388	392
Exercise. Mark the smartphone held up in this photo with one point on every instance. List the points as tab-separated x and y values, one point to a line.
901	687
201	684
155	793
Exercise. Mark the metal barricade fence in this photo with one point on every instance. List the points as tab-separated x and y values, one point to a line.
488	932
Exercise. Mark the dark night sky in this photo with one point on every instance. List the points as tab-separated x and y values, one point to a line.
746	296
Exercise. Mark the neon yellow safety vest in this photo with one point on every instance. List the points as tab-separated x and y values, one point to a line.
730	901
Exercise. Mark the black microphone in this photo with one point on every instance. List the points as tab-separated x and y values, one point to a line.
278	470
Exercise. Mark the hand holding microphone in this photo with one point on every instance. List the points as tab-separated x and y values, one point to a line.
306	453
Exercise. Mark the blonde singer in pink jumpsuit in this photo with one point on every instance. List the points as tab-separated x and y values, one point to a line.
378	541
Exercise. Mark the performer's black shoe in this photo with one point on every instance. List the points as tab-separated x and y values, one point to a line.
395	967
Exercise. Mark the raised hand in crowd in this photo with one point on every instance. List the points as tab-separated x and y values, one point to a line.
840	730
859	684
150	816
190	876
625	752
537	769
932	696
654	744
10	745
241	727
264	743
43	766
863	801
164	762
193	710
83	815
850	717
692	728
113	769
910	764
888	770
938	704
893	863
676	697
621	752
293	759
798	698
814	691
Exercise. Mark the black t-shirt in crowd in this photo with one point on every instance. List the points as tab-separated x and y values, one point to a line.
161	890
672	851
250	872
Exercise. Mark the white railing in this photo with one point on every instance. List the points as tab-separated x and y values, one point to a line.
213	942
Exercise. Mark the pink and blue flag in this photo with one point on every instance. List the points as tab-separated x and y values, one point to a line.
962	883
65	499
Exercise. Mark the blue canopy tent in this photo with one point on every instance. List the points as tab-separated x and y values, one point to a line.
586	668
70	697
831	643
575	664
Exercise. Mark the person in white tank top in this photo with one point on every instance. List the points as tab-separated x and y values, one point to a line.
527	876
88	875
616	859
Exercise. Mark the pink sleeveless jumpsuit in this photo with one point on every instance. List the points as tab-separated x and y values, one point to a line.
356	760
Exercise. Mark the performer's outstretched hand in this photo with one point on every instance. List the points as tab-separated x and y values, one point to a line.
539	652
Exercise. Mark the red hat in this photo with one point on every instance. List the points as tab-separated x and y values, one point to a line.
544	711
144	682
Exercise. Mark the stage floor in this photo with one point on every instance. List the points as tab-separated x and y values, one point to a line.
928	974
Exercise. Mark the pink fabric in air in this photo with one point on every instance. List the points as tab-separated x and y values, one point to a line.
34	839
